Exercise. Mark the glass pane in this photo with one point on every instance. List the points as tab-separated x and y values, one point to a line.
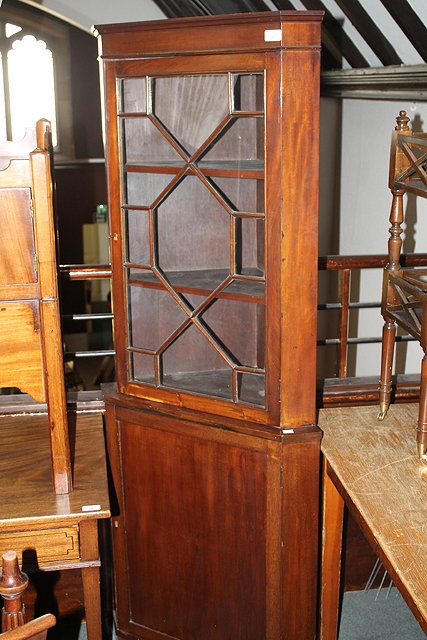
248	288
241	194
203	230
198	106
249	246
240	142
144	143
142	189
134	95
2	105
243	339
248	92
137	237
191	363
142	367
153	317
31	86
193	229
252	388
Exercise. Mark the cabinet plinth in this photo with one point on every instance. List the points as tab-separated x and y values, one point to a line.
212	136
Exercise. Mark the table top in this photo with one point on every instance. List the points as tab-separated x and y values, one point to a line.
27	496
378	470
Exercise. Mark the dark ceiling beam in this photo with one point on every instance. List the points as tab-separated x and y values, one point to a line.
236	6
334	39
408	82
369	31
186	8
409	22
183	8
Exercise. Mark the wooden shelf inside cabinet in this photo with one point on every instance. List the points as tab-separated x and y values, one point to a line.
248	286
225	168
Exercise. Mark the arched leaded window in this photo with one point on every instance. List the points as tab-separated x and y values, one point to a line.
31	85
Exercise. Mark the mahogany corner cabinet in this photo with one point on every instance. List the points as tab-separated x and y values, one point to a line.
212	161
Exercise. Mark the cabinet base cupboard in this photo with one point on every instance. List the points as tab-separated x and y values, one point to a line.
212	162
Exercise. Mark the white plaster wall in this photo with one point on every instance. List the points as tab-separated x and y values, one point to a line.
365	208
89	12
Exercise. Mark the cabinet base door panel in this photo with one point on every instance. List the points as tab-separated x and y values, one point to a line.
197	557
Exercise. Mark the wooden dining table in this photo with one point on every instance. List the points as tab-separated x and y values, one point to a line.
372	468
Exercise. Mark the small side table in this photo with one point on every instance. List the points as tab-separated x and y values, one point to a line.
56	531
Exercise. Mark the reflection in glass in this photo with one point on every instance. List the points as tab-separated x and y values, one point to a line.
242	140
199	104
191	363
193	229
137	237
144	143
248	92
249	246
144	304
134	95
240	341
252	388
199	229
142	189
142	367
241	194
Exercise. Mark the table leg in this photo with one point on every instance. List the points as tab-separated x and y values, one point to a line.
90	577
332	526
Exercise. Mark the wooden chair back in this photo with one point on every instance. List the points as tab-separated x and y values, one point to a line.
34	630
13	583
30	330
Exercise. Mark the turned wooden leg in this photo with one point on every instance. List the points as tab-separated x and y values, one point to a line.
332	527
422	416
13	583
389	335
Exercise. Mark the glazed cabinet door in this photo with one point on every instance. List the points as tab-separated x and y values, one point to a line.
197	539
191	230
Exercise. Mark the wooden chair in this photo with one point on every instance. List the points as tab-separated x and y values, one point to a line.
34	630
13	583
404	299
30	331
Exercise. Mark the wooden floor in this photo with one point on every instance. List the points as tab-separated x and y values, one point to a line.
375	468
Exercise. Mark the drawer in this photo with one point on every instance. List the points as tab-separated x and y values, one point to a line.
43	546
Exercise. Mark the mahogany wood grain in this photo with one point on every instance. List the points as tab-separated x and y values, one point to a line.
211	536
300	534
129	40
196	503
17	256
22	363
374	467
299	250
